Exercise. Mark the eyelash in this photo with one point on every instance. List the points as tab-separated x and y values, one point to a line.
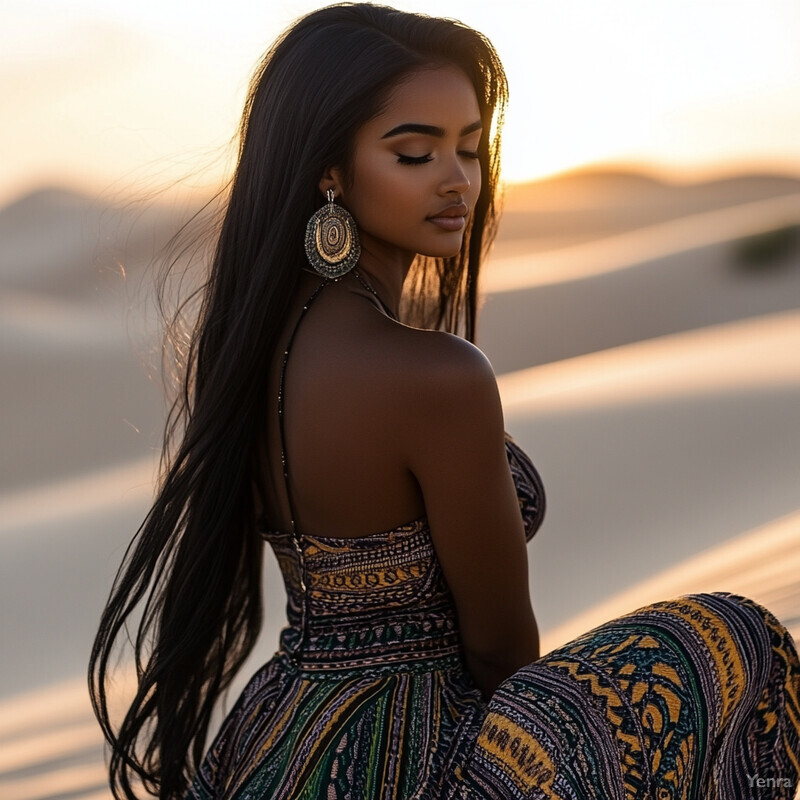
401	159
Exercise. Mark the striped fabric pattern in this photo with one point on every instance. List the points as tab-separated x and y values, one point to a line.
692	697
369	697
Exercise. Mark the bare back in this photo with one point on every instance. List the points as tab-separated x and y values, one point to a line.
343	417
386	424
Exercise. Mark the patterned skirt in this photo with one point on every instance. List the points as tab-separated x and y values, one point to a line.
693	698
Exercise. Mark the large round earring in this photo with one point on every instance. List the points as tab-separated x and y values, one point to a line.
332	244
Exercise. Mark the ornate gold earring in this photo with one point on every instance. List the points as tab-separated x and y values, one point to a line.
332	244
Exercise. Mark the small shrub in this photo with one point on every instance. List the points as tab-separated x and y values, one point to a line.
768	249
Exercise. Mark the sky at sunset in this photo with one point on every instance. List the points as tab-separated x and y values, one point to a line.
106	95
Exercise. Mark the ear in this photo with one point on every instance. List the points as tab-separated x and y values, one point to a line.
332	178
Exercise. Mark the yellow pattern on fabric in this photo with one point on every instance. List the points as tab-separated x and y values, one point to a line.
529	766
668	672
726	657
365	580
280	723
613	706
650	712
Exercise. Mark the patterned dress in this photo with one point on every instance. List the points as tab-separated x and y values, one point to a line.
369	697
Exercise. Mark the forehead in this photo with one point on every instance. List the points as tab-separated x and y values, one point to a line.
444	97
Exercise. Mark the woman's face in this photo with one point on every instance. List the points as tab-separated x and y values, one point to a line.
415	175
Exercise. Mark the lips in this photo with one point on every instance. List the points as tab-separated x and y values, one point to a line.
453	210
451	218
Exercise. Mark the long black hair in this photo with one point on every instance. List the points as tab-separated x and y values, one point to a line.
197	557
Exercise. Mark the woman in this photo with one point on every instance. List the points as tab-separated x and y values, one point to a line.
370	454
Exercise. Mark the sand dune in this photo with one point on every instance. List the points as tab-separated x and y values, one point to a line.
61	502
33	323
25	752
763	564
681	275
49	707
50	744
589	204
759	352
633	248
70	781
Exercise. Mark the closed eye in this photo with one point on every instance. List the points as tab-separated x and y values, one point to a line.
401	159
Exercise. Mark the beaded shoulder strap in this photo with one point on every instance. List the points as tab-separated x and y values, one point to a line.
281	388
281	392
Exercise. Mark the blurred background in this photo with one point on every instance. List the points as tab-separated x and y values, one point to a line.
641	309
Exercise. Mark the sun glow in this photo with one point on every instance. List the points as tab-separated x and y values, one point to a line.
98	94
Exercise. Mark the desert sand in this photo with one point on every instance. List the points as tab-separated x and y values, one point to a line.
648	356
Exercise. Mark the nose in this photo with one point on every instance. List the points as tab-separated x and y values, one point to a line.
456	180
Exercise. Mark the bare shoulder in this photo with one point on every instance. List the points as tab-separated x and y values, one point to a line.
449	356
450	394
443	373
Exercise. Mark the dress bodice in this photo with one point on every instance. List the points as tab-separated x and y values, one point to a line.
379	599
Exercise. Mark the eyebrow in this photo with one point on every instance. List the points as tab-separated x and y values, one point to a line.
429	130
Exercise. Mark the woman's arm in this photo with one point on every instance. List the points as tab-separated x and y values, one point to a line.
457	453
489	675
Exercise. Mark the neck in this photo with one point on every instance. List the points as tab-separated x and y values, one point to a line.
385	272
387	310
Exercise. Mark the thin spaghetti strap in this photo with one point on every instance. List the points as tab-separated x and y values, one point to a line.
285	465
281	391
282	388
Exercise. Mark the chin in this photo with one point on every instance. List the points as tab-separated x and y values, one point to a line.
442	251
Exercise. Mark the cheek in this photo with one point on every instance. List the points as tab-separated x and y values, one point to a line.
384	196
368	187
